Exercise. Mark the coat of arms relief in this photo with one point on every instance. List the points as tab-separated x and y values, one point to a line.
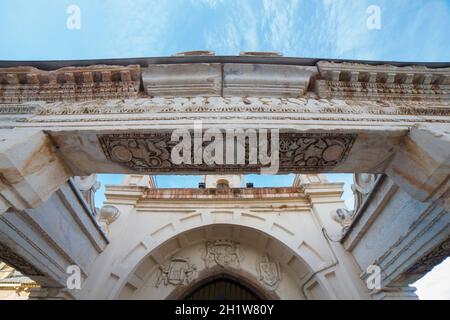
225	253
269	272
177	272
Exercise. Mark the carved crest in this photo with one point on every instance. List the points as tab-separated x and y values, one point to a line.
225	253
269	272
178	272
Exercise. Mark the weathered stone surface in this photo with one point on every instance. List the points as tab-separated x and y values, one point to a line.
30	169
23	84
189	80
265	80
422	164
385	82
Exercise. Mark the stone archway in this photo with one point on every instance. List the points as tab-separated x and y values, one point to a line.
363	118
252	290
169	279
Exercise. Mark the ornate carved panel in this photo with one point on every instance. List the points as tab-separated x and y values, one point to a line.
269	272
18	262
298	152
225	253
432	259
177	272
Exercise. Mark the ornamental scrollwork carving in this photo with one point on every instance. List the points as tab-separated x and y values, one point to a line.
151	152
88	185
363	183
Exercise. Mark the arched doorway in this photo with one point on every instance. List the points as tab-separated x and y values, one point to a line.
185	262
222	288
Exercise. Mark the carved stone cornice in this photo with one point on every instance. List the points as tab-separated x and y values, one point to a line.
22	84
352	81
368	82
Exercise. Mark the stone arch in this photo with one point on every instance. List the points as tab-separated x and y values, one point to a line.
216	273
299	263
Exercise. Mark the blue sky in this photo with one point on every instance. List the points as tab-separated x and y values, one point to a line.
410	30
416	30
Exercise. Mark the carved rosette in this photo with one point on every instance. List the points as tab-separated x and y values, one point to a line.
298	152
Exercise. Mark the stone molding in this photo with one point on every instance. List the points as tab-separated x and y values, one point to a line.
354	81
367	82
23	84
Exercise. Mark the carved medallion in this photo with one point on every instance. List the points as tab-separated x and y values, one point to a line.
225	253
269	272
178	272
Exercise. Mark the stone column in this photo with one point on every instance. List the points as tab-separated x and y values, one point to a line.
30	169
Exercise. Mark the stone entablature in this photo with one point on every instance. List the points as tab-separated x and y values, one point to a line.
343	80
23	84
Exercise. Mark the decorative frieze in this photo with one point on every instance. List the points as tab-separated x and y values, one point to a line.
386	82
250	105
19	263
432	259
24	84
151	152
